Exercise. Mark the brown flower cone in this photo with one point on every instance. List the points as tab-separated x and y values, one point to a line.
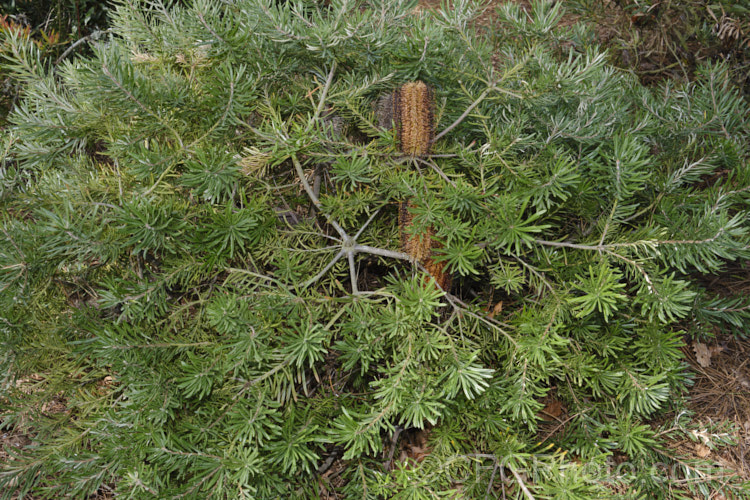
421	247
413	114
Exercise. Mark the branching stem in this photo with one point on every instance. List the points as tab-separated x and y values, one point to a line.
525	490
314	198
461	118
323	95
324	270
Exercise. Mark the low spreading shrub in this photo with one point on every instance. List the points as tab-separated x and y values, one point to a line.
208	256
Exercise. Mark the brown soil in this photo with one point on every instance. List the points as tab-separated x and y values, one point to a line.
721	394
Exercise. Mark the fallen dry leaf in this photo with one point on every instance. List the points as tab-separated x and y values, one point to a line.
553	409
743	379
702	354
702	451
497	309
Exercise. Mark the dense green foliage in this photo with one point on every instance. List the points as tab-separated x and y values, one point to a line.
200	256
53	24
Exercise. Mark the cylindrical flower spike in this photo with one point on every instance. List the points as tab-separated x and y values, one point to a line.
413	114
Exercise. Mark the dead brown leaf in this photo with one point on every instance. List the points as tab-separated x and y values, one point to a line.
496	310
701	450
702	354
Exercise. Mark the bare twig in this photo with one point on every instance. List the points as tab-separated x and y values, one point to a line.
394	441
382	252
324	270
492	480
335	452
437	169
323	95
598	248
359	233
93	36
525	490
461	306
205	24
461	118
313	197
